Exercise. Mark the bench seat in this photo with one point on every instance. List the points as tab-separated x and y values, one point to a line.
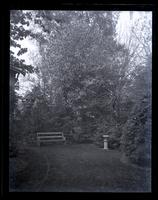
43	137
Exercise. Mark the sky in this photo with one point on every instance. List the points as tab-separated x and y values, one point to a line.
124	24
123	31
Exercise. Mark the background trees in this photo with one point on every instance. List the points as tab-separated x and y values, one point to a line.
83	67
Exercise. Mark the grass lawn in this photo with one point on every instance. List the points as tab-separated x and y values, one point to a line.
79	168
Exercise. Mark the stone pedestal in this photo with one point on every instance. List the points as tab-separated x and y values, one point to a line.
105	142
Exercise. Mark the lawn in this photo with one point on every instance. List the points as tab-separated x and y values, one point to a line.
79	168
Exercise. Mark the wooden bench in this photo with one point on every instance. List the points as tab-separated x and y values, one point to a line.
44	137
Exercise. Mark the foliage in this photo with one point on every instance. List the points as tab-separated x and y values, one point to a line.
78	63
136	138
18	20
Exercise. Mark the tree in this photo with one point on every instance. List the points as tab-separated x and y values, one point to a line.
18	20
82	66
136	138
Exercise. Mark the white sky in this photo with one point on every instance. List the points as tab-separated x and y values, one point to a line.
123	31
125	23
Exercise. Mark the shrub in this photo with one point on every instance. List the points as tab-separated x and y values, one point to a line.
113	143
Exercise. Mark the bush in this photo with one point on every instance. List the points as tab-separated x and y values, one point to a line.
141	156
114	143
99	140
135	142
